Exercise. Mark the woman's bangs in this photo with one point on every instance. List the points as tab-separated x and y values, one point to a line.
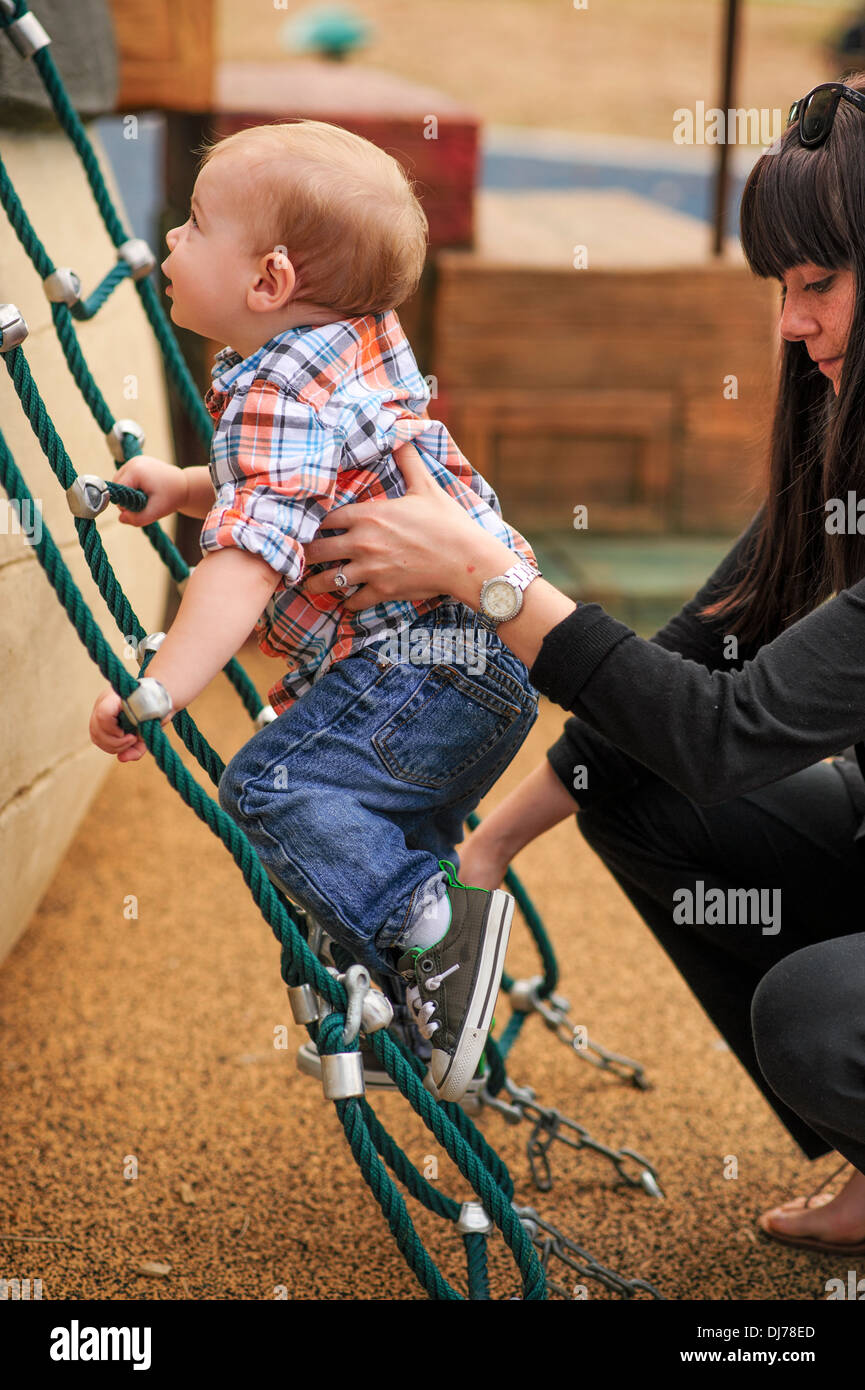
786	217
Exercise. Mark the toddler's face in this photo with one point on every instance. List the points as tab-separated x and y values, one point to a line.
208	266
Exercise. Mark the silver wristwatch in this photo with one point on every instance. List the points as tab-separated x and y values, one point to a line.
502	596
150	700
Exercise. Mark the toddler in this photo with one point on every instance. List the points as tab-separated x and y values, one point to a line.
391	722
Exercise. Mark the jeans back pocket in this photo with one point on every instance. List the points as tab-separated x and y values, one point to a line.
448	724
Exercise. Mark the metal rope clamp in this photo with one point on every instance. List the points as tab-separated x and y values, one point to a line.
304	1003
376	1010
63	286
13	327
150	700
114	437
151	643
524	994
88	496
138	256
474	1220
342	1072
25	34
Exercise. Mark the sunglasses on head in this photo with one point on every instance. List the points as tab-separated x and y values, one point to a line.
816	111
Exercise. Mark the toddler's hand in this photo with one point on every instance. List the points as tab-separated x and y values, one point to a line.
163	482
107	734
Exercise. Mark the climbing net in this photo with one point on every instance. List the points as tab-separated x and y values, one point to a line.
336	1005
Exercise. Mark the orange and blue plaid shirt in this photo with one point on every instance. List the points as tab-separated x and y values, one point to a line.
305	424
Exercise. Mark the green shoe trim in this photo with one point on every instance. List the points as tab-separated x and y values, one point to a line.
451	871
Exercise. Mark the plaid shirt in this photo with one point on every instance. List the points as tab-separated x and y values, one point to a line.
307	424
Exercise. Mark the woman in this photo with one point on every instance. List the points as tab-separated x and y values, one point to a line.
702	762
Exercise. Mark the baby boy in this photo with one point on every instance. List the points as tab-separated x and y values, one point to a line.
391	723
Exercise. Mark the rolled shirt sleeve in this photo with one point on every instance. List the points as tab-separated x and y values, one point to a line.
274	466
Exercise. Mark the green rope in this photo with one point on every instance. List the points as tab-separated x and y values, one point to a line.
476	1258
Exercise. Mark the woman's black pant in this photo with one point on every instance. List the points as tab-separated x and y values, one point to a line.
791	1002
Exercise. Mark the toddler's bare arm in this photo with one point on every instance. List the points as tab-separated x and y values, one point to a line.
226	593
199	492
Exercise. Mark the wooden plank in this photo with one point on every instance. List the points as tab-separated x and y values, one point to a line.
623	374
544	454
707	294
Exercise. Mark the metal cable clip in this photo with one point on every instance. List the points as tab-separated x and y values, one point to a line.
150	700
304	1003
151	643
138	256
88	496
25	34
13	327
114	437
63	286
474	1220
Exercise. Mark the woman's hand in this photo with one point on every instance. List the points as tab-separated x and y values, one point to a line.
107	734
412	547
164	483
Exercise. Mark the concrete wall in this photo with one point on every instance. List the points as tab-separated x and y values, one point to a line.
49	769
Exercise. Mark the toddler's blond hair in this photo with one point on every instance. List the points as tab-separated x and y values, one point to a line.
345	211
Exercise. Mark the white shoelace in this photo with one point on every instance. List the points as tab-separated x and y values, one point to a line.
422	1013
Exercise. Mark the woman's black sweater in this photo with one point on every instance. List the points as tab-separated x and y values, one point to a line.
712	727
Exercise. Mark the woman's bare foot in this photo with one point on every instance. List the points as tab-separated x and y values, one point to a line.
839	1220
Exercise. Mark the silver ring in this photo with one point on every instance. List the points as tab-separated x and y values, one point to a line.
340	580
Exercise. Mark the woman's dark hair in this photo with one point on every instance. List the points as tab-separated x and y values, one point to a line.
803	205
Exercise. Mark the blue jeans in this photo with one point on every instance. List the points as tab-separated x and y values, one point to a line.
357	790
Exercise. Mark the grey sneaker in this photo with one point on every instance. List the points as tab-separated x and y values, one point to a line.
452	985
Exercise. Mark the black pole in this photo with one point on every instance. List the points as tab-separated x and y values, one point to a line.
731	41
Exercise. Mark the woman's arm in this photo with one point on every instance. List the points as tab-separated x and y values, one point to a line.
711	734
535	806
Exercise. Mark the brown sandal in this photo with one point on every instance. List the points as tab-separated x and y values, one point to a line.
829	1247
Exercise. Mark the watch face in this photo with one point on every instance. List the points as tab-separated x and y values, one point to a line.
500	600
